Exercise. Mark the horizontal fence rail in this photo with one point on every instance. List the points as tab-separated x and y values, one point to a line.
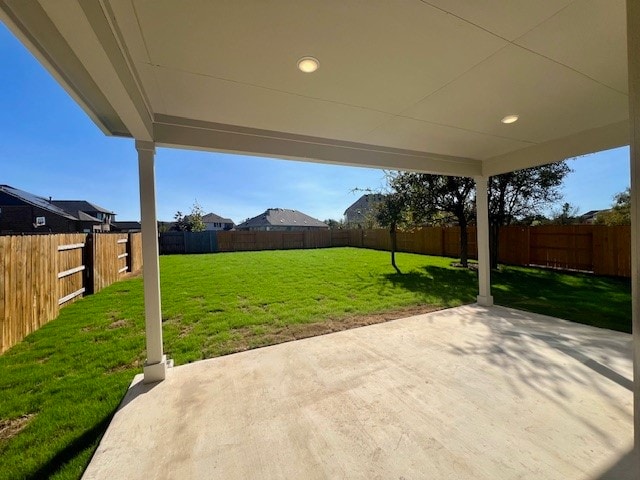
39	274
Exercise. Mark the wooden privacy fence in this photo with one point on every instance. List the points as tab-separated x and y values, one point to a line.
591	248
599	249
39	274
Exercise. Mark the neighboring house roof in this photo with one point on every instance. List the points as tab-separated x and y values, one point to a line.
213	218
364	204
591	215
36	201
282	217
79	206
127	225
85	217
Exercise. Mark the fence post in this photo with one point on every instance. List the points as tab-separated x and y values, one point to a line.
88	259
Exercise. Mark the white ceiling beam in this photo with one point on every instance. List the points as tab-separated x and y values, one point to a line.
193	134
582	143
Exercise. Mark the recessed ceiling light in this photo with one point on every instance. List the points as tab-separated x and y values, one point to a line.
510	119
308	64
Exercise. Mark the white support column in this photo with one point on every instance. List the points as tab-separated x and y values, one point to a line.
633	53
155	367
482	221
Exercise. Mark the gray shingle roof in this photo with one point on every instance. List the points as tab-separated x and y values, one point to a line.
85	217
79	206
213	218
282	217
364	204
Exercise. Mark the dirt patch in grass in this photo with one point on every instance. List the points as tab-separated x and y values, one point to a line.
247	338
11	427
122	367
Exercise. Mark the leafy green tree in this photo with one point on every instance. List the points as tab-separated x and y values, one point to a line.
436	199
195	218
181	222
620	212
567	215
391	213
334	224
192	222
520	194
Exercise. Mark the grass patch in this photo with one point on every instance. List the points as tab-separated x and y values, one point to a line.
62	384
599	301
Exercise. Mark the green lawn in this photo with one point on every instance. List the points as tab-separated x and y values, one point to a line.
62	384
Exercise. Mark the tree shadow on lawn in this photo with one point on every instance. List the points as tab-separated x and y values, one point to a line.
599	301
438	285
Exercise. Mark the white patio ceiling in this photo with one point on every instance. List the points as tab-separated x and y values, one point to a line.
419	85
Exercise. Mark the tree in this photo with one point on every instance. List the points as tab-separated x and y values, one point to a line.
512	196
181	222
567	215
521	194
391	214
195	218
620	213
192	222
334	224
435	198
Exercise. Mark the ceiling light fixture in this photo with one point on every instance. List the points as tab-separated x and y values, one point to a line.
308	64
510	119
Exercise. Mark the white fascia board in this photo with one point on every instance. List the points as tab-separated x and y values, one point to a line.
86	29
193	134
582	143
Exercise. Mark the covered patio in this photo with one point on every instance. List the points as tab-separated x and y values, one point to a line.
467	393
438	86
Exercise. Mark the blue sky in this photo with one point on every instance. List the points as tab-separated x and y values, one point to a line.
50	147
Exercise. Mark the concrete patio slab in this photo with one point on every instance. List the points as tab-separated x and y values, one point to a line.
464	393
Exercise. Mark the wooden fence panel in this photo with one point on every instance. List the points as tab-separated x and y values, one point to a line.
356	238
433	240
376	239
110	259
200	242
317	239
28	286
513	247
173	243
39	274
135	251
292	240
612	250
562	246
340	238
70	267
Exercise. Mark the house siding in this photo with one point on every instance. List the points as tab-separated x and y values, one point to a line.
21	219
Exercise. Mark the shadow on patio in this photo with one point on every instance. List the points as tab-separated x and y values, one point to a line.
469	392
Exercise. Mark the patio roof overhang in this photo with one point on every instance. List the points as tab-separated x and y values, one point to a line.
416	85
413	85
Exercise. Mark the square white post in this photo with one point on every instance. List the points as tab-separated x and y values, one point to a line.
633	53
155	367
482	221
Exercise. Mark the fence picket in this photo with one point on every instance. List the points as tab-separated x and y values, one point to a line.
41	273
